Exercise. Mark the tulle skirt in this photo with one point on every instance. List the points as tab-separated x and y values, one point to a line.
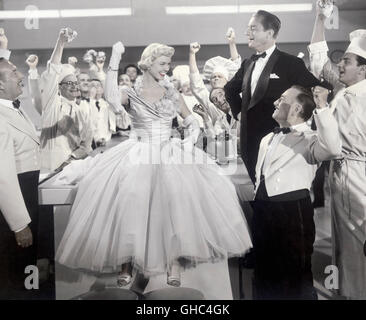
140	202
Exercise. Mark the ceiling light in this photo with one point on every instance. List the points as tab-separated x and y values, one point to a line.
101	12
201	10
66	13
288	7
24	14
284	7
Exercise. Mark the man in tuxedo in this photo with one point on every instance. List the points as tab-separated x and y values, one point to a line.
283	226
262	79
19	173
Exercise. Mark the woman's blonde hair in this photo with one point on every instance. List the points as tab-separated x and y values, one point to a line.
153	51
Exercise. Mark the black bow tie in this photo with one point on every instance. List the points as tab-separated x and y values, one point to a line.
255	57
85	99
283	130
97	105
16	104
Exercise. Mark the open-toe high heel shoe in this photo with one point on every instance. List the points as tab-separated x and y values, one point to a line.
123	279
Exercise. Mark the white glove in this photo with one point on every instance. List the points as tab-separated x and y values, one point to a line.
117	50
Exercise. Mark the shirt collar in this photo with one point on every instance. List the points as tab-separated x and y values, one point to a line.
7	103
358	88
300	127
67	101
269	52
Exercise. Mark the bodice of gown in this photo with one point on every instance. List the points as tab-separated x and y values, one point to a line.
152	122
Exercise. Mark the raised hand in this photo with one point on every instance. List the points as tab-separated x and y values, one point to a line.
230	34
3	39
324	7
72	60
67	35
89	56
199	110
118	48
194	47
32	61
100	59
320	96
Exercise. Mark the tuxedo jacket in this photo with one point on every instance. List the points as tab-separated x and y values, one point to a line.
294	162
19	147
280	73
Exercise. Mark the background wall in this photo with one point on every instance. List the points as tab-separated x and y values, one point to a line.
149	23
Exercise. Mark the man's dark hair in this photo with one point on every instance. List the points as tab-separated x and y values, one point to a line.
95	79
132	66
361	61
306	99
269	21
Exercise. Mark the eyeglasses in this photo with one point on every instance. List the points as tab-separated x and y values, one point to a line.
70	83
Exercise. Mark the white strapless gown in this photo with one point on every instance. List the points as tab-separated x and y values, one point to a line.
141	202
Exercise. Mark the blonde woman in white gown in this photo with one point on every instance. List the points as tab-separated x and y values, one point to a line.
152	203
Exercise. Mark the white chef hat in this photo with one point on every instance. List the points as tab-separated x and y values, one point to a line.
358	43
181	72
219	65
66	70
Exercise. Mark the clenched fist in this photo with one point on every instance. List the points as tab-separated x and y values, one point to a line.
118	48
67	35
72	60
320	96
194	47
230	34
32	61
325	7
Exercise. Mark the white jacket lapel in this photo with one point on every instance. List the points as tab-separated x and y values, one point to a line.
23	124
289	141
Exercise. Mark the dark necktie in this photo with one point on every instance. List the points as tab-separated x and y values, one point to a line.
16	104
228	118
248	77
283	130
97	105
85	99
255	57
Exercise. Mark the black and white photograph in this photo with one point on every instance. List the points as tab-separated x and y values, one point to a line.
180	150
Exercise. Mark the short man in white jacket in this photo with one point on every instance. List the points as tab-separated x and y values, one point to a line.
283	226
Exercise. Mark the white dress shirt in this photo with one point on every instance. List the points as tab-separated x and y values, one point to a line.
275	142
259	66
103	120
